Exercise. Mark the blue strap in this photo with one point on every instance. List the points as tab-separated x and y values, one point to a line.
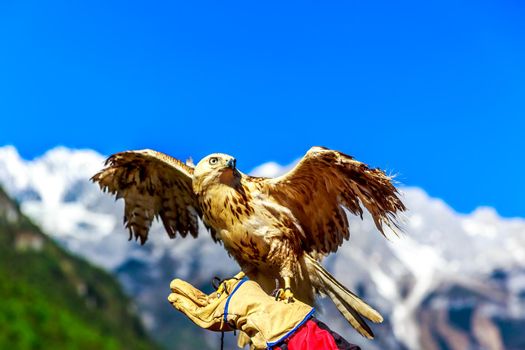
230	296
284	337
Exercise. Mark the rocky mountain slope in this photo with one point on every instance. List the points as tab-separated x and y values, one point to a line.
452	281
52	300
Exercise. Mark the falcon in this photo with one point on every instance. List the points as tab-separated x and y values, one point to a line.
277	229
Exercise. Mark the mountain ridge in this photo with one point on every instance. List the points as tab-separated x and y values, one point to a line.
441	250
53	300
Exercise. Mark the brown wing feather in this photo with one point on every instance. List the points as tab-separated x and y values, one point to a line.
152	184
321	184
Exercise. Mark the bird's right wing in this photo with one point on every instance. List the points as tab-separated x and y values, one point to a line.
325	181
152	184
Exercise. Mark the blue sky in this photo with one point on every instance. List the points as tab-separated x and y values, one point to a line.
432	90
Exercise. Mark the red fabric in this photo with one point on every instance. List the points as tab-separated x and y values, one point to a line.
311	337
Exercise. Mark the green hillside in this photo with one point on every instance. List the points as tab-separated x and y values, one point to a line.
53	300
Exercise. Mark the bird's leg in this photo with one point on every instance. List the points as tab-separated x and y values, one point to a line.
282	254
239	276
287	294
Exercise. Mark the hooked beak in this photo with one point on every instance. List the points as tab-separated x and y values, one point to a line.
231	163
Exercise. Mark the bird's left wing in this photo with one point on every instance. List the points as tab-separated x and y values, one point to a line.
152	184
323	182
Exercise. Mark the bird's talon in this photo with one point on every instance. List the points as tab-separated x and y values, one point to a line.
221	289
285	295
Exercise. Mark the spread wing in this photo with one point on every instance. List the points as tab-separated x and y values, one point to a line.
152	185
324	181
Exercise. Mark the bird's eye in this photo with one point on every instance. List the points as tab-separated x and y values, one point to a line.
214	160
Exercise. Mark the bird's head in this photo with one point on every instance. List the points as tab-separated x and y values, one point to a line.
216	168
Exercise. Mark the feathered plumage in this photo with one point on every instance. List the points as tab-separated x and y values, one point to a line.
275	228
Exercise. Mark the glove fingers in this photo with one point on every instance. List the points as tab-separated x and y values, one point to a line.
184	304
204	316
185	289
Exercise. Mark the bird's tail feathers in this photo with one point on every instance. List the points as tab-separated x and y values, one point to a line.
348	304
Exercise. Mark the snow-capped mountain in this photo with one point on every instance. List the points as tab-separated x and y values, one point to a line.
450	281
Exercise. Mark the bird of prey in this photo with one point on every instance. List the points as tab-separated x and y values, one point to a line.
277	229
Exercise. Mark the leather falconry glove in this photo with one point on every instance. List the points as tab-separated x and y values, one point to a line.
241	305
